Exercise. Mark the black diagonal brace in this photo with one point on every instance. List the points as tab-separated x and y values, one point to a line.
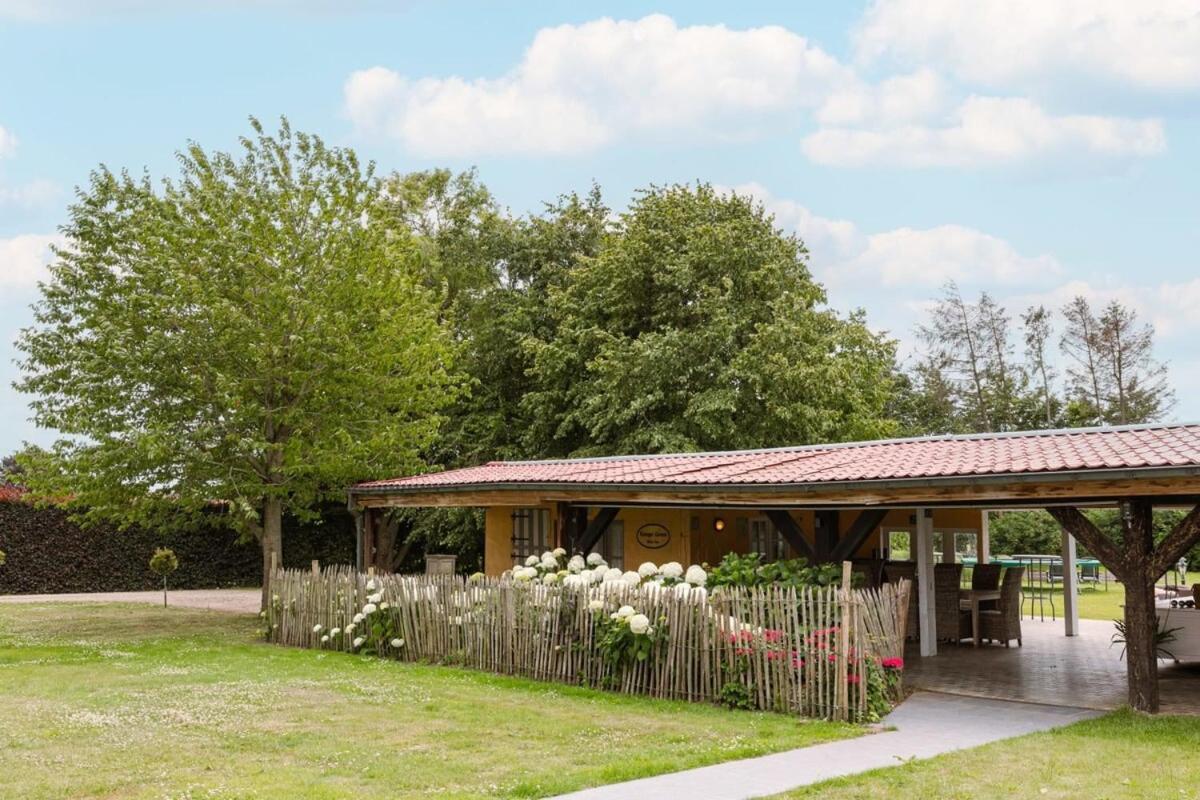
863	526
787	526
595	529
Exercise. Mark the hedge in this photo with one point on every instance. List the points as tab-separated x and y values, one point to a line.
47	552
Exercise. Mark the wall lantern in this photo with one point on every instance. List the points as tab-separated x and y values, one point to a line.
718	524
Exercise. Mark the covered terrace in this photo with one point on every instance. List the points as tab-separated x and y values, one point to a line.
843	501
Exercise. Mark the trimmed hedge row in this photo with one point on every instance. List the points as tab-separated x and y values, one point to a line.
49	553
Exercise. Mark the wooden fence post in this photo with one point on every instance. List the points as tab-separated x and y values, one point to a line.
843	670
316	568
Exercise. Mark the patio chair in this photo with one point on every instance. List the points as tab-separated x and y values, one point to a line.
893	572
1004	623
871	569
983	576
986	576
947	579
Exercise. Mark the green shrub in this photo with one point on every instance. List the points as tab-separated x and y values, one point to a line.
748	571
164	562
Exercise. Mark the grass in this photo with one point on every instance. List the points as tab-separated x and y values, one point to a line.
1098	603
123	701
1120	756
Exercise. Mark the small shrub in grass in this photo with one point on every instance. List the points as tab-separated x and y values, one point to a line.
163	563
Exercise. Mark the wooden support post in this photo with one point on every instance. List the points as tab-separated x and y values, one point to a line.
948	553
368	538
927	614
983	546
316	568
825	535
1070	586
359	524
843	664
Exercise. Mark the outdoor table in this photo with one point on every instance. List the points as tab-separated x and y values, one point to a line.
975	597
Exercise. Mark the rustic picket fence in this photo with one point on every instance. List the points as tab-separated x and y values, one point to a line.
799	651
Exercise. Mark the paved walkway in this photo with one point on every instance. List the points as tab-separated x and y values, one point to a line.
239	600
927	724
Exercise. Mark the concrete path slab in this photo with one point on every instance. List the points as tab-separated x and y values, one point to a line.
235	600
927	724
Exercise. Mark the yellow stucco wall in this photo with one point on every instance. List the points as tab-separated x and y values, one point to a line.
700	542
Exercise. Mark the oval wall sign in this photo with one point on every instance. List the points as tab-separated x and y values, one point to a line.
653	536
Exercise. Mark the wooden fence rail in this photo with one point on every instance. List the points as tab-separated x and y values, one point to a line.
806	651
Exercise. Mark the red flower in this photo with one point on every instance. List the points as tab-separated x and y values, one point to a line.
797	662
774	655
893	663
853	679
772	635
742	651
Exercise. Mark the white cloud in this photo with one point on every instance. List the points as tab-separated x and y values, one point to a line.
577	87
929	257
844	256
23	259
895	100
1151	44
987	131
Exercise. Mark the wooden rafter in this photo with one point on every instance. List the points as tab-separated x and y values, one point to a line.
862	527
596	528
787	527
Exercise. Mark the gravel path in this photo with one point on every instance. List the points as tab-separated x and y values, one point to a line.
245	601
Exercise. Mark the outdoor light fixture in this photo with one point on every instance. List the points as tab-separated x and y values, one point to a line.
718	524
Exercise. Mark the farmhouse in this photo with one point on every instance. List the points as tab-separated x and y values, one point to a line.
920	500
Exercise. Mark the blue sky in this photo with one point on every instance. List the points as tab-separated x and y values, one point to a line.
1035	155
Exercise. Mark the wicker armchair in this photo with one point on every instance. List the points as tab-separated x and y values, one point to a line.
894	572
986	576
1004	623
871	570
947	580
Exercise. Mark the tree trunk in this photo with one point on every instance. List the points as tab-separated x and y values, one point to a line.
1141	651
272	542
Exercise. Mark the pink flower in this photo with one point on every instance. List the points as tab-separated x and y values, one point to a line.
772	635
853	679
893	663
742	651
774	655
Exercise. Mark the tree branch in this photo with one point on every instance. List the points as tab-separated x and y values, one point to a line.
1075	523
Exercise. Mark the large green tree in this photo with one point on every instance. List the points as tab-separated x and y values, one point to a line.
253	332
696	325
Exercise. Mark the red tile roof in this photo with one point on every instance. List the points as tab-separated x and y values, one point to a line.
1131	447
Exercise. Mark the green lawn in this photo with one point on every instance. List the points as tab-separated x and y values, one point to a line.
1122	756
1101	604
124	701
